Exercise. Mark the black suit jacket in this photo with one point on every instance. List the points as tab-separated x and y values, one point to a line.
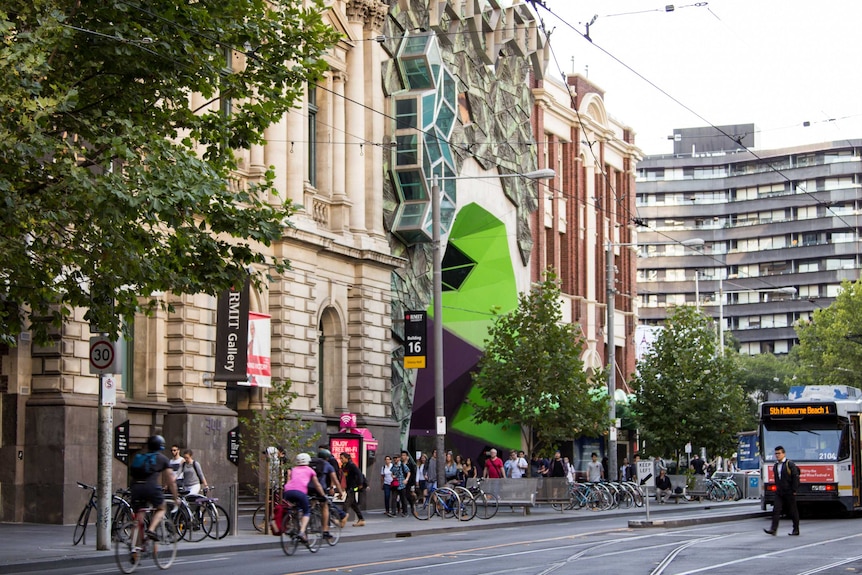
789	481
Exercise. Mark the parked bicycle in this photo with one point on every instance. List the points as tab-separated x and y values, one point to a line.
259	517
121	511
209	514
487	504
132	545
443	501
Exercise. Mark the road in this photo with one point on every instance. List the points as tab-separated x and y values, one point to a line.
597	547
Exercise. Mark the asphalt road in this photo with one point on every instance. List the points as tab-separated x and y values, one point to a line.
598	547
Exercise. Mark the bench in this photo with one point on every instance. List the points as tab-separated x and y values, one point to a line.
553	490
698	491
513	492
678	482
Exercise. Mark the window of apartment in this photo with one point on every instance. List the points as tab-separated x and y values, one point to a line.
312	135
809	266
809	239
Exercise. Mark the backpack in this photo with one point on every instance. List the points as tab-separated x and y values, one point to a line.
143	465
317	465
363	482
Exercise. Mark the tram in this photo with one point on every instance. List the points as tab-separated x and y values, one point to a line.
819	428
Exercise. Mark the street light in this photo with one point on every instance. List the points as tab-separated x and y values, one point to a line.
611	347
437	295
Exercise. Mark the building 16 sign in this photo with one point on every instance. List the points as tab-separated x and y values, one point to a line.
415	339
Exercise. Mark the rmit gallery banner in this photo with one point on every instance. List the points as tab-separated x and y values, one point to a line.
231	335
258	364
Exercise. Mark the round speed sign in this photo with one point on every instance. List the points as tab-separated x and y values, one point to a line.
102	355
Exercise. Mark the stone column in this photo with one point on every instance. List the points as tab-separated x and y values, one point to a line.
376	121
355	117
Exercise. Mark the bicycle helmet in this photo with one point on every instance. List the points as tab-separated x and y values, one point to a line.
156	443
324	454
303	459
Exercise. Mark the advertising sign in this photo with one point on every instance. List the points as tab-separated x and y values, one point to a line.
258	365
347	443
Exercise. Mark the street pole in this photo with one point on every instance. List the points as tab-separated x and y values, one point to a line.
105	454
612	378
437	295
720	317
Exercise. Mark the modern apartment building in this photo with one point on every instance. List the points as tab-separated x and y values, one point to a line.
779	230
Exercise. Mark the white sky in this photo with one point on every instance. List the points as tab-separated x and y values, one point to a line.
774	63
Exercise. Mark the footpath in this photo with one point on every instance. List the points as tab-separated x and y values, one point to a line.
32	548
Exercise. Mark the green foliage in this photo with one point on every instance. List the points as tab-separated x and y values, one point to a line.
760	374
275	425
531	374
684	392
112	187
830	346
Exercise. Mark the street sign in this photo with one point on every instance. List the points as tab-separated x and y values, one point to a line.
233	445
121	442
415	339
645	474
103	356
109	391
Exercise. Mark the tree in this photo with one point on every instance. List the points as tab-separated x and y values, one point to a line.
685	392
277	425
532	375
113	189
761	374
830	345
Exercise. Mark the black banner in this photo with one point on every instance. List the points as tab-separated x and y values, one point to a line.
233	445
231	356
415	339
121	442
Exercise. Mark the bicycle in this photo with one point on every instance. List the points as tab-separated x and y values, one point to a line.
259	517
334	522
132	545
121	511
209	514
442	501
290	529
192	525
487	504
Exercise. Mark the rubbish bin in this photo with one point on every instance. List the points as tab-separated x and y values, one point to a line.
752	486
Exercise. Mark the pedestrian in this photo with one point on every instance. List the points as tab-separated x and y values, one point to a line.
697	465
633	468
556	467
570	470
624	470
595	471
177	464
386	480
494	466
513	471
421	477
786	476
470	471
450	470
431	472
193	475
353	479
409	481
663	487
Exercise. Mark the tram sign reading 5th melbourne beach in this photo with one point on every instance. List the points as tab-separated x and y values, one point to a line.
777	411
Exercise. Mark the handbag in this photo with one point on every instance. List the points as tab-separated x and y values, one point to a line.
394	483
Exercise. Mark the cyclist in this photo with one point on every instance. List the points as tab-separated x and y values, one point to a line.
328	479
146	489
300	479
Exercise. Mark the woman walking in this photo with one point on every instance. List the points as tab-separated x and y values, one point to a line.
386	480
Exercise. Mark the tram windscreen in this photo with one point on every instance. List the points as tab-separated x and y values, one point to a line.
805	441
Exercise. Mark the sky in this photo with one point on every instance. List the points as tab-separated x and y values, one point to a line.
774	63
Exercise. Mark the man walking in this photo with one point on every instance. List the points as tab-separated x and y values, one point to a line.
786	475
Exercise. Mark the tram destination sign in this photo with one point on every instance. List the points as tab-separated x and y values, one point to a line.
797	410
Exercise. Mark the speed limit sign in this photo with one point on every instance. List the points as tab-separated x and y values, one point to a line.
103	356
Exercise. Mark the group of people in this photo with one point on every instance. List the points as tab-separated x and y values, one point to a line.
320	476
187	472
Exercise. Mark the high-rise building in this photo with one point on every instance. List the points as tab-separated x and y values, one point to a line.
779	230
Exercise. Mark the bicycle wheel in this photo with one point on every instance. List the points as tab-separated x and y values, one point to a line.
182	519
424	510
121	515
165	549
487	505
314	531
259	517
127	547
221	523
289	533
445	502
203	522
81	526
334	529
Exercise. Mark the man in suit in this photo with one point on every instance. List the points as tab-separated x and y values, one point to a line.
786	475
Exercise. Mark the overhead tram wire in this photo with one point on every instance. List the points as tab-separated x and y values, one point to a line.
818	202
